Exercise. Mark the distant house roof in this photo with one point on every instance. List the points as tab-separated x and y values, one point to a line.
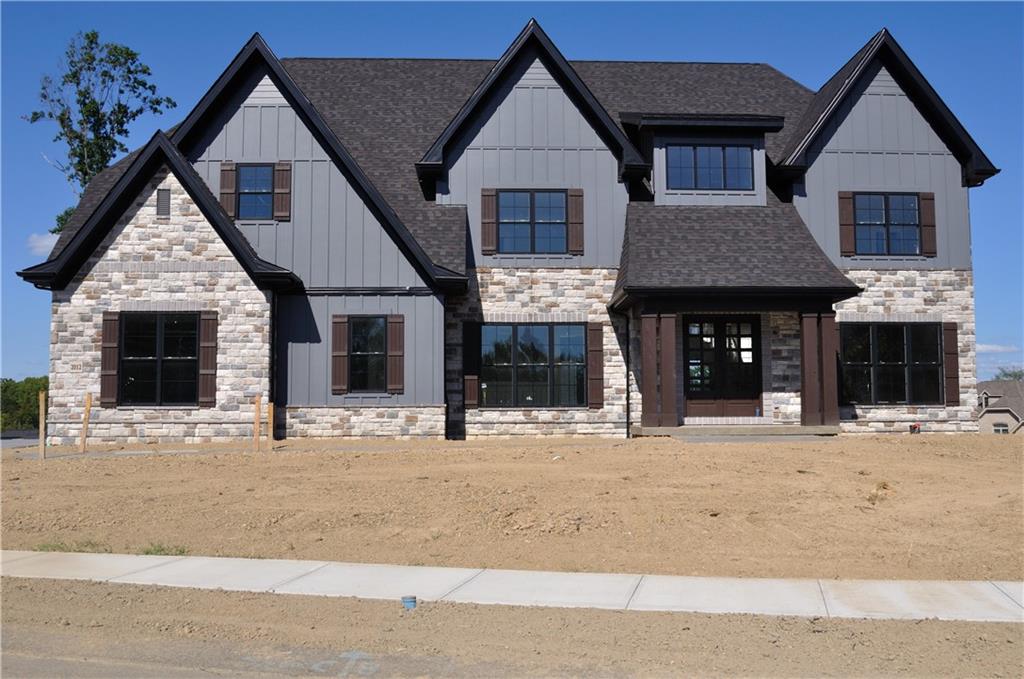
1004	395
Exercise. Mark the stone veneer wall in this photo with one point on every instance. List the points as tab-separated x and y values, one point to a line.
537	295
916	296
402	422
150	263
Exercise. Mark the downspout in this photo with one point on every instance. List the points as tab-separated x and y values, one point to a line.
628	343
272	386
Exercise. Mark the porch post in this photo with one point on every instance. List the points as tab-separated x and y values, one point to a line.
667	364
649	370
810	364
829	377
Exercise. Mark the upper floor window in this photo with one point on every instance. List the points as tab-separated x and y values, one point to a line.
255	192
887	224
709	167
159	356
532	366
891	363
532	222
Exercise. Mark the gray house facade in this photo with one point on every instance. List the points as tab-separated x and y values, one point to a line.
527	246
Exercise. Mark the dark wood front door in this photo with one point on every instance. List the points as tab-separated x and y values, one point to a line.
722	366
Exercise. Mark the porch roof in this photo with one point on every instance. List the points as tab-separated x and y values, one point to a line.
755	251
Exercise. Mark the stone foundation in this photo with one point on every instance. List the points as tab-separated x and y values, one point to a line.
150	263
916	296
400	422
536	295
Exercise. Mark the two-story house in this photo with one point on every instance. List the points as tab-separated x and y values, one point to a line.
429	247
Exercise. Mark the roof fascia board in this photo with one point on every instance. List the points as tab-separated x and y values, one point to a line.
750	122
257	48
976	165
630	160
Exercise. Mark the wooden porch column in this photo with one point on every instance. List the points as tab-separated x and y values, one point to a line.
829	374
810	371
649	370
667	364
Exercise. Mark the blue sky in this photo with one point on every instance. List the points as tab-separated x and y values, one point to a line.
971	53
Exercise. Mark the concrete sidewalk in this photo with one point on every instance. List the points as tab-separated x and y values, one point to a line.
981	601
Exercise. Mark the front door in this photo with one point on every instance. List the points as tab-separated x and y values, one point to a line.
722	366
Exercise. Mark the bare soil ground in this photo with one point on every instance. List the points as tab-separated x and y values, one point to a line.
921	507
95	629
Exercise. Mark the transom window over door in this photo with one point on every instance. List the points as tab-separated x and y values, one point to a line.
533	366
887	224
709	167
891	363
255	192
159	359
532	222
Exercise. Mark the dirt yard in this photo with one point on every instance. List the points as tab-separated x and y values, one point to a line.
63	627
886	507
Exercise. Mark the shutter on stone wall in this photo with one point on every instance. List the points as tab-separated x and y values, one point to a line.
108	359
228	184
339	354
471	364
926	203
847	230
951	363
488	221
283	191
207	359
595	365
575	219
396	354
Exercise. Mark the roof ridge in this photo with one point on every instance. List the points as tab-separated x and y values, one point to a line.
572	61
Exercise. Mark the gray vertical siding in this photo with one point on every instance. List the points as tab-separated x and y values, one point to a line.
879	141
536	138
304	338
664	196
333	239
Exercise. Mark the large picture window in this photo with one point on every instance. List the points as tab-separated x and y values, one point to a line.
533	366
887	224
255	192
368	356
891	363
159	359
709	167
532	222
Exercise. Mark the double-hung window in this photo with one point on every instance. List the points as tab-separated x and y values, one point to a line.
255	192
887	224
724	167
891	363
533	365
532	222
368	354
159	359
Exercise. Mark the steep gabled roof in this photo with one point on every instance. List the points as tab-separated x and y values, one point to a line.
1005	395
54	274
883	47
533	36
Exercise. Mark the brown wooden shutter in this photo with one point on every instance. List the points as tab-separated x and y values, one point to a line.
471	364
396	354
283	191
228	184
339	354
847	231
207	359
575	219
926	202
951	363
108	359
488	221
595	365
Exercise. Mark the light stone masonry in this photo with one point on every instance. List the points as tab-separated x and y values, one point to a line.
400	422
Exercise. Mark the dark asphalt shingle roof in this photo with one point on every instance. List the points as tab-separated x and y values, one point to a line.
704	246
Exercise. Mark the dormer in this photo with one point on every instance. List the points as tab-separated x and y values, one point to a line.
704	159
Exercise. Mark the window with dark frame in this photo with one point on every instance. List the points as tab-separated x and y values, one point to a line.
255	192
159	359
533	366
891	363
368	354
887	224
532	222
728	167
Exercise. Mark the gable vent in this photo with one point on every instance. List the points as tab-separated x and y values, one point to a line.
163	202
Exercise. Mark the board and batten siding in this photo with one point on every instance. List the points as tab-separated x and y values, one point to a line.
879	141
665	196
534	137
333	239
304	348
